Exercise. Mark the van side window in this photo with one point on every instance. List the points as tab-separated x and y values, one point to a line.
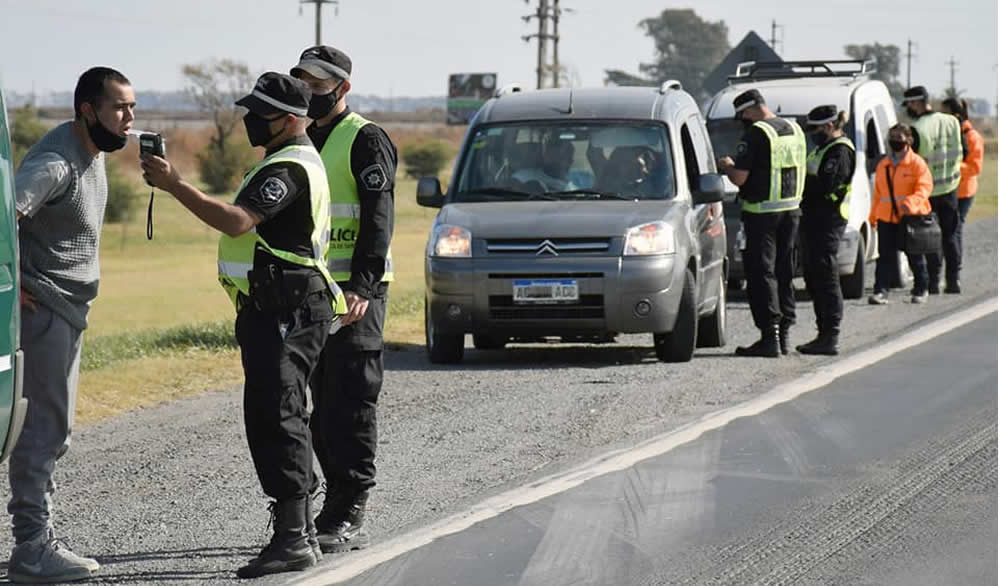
690	158
873	144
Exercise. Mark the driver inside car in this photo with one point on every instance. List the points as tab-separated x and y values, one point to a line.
552	170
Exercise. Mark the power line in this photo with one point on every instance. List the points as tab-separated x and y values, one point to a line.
319	14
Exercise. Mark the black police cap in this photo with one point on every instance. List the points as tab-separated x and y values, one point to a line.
746	100
917	92
323	62
822	114
276	92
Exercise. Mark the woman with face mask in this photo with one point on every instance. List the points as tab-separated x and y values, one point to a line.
825	209
902	178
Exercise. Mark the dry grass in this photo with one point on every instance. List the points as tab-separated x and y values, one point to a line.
985	205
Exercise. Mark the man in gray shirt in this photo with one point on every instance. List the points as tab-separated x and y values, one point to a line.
61	191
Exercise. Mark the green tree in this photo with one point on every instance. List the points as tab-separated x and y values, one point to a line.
25	130
887	61
687	48
425	159
221	168
121	194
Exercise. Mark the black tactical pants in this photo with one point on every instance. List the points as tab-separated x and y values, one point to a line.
280	349
946	208
821	236
345	390
769	266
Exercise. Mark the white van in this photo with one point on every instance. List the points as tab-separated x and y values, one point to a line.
792	89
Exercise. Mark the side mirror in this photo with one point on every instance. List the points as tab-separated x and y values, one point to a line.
429	192
711	189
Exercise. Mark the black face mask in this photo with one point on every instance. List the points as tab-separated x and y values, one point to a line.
913	114
258	129
897	146
818	138
103	138
322	104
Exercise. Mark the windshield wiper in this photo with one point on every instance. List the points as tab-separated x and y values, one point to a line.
508	192
592	192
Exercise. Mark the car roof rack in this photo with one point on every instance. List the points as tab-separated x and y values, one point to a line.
764	70
510	88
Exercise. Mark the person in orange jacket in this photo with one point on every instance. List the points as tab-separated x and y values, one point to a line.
911	185
972	164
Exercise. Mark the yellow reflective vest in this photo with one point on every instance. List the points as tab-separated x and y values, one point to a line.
788	155
236	254
941	147
345	206
842	190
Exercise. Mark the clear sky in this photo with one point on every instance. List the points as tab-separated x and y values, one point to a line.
408	47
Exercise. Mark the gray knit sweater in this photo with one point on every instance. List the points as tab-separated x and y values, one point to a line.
60	233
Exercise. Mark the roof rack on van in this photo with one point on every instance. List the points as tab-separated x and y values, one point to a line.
670	84
752	70
510	88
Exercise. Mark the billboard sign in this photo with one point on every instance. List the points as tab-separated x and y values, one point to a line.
467	92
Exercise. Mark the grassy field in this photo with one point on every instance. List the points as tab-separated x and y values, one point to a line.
161	327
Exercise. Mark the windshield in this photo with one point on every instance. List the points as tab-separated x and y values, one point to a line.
547	161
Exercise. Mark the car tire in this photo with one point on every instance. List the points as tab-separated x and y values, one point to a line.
712	328
678	345
853	285
488	342
442	348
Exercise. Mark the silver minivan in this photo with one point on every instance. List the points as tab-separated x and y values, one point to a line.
575	215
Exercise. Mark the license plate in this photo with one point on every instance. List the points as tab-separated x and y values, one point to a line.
546	291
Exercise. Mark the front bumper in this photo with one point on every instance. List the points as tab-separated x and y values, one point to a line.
617	295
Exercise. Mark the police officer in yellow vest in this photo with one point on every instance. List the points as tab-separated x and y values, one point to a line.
361	166
271	264
770	170
826	204
938	138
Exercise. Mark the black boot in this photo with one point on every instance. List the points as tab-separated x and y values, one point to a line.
341	528
783	339
311	531
289	548
825	343
768	346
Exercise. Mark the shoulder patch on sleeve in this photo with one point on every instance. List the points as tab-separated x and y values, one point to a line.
375	177
272	191
741	148
831	165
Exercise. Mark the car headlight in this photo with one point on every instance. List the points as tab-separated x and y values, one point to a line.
451	241
651	238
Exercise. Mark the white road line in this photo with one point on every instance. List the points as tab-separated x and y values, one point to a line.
358	562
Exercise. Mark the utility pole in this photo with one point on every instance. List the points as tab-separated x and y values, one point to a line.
909	56
951	64
319	14
555	43
774	34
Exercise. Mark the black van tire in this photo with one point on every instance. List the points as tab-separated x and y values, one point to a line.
853	285
678	345
442	348
712	327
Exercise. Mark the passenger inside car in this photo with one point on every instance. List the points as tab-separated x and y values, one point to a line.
547	172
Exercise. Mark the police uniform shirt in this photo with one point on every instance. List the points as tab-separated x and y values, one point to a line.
753	154
279	194
373	164
836	168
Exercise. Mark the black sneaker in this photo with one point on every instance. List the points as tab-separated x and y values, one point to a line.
953	288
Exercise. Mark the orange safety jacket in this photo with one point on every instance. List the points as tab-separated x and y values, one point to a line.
972	165
911	184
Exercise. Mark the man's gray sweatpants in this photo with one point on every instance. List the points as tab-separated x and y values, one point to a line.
51	372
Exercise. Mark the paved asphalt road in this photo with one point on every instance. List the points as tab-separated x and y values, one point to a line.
168	494
887	476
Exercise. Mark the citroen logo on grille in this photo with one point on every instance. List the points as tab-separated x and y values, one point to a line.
547	247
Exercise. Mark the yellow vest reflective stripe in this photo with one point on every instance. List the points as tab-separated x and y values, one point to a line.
812	168
345	206
941	147
236	254
788	154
